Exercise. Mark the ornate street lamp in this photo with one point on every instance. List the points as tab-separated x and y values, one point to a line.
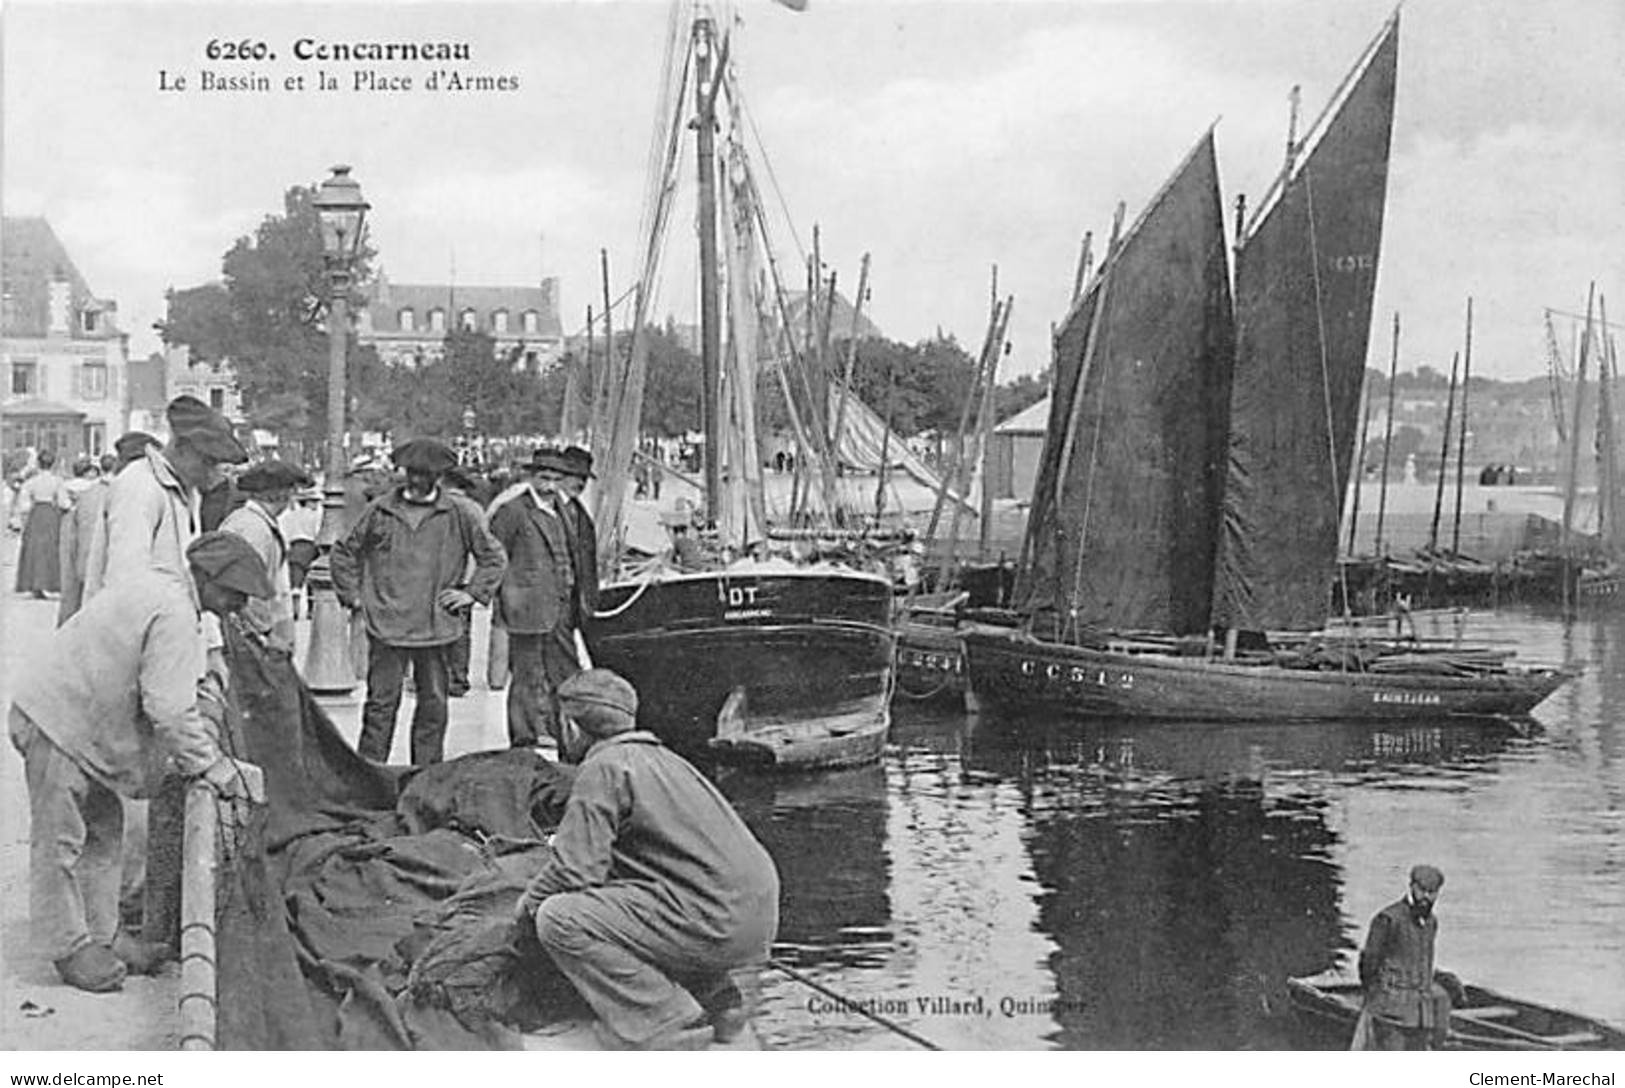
329	668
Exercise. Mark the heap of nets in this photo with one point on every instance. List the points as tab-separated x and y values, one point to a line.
367	907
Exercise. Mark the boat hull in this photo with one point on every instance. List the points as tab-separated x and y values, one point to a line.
1329	1006
1016	671
801	662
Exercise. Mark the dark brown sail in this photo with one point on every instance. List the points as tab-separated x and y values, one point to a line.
1143	392
1304	283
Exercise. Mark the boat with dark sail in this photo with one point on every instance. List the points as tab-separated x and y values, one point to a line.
1185	522
757	650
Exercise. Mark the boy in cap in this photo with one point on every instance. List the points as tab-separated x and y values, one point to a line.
1408	1008
268	487
403	564
536	602
654	889
111	706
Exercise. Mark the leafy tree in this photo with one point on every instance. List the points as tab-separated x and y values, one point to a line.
1019	393
266	317
671	389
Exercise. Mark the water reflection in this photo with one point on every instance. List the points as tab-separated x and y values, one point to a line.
1141	886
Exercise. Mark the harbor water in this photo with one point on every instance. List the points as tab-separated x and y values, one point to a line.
1051	884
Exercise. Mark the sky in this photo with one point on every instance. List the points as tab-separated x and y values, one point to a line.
942	137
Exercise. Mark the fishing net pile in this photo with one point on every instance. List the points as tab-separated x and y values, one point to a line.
367	907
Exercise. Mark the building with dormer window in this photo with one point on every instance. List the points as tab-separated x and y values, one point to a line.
406	322
63	356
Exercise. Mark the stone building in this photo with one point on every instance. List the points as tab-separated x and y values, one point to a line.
407	322
63	354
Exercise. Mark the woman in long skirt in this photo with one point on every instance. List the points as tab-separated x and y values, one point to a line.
38	568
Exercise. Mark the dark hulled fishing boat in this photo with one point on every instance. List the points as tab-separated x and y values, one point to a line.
1192	473
754	658
783	667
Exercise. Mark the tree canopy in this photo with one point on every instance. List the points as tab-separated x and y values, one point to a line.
267	317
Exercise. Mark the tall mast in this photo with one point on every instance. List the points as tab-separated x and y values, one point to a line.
1461	430
710	292
1573	482
1444	456
1388	437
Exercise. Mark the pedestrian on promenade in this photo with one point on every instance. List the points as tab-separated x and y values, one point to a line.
89	477
1406	1006
654	890
89	523
268	488
536	602
113	704
403	565
38	511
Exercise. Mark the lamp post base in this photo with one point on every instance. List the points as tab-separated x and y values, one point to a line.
329	669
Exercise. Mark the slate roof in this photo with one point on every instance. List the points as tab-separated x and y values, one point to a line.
31	257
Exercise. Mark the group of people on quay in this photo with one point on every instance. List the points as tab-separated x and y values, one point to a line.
656	890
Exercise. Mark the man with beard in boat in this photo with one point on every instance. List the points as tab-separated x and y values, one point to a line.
1406	1006
655	890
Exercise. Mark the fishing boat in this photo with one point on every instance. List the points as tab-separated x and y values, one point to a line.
774	652
1329	1005
1185	521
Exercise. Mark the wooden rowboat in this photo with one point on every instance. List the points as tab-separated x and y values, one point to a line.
1486	1020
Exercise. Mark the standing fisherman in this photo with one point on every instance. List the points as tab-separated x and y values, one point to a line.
113	705
403	565
536	603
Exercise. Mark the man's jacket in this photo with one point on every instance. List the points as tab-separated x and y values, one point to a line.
1396	968
400	555
537	595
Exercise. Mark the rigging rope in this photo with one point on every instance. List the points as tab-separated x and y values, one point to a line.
1325	368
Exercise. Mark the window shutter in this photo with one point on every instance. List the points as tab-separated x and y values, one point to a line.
40	370
78	381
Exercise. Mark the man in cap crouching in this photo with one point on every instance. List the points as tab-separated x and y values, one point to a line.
655	889
1407	1005
112	706
403	564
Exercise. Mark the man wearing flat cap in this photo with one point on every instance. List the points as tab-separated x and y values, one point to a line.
113	705
405	565
154	511
654	889
154	507
536	602
268	487
1406	1001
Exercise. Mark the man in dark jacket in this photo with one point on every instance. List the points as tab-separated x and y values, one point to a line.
403	564
655	890
583	533
1409	1009
536	602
